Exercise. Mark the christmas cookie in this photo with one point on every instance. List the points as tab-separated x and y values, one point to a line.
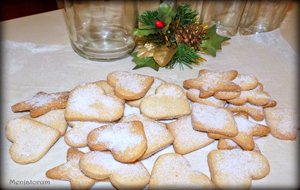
227	144
246	131
213	120
255	96
102	165
77	136
209	82
282	122
256	112
193	95
186	138
31	139
168	102
246	82
129	86
126	140
70	171
42	103
88	102
172	171
157	134
54	119
157	82
236	168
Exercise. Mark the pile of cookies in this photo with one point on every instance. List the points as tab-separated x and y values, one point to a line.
215	106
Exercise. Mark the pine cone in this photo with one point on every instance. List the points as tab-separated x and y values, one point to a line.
191	34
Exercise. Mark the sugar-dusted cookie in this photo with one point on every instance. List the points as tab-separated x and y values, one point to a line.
102	165
42	103
255	96
227	144
193	95
236	168
169	102
129	86
70	171
247	129
227	95
108	89
157	134
209	82
88	102
77	136
246	82
256	112
31	139
186	138
283	122
54	119
213	120
126	140
173	171
270	104
157	82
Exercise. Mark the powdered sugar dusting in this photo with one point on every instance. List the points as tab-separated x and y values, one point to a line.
78	135
186	136
244	125
106	161
170	90
119	137
156	133
31	138
210	116
130	81
238	164
42	99
84	98
243	79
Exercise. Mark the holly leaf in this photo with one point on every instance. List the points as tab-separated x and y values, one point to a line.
212	41
166	13
143	32
144	62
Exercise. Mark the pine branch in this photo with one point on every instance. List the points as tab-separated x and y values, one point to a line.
185	14
184	56
148	18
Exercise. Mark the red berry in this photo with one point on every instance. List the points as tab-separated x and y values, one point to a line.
159	24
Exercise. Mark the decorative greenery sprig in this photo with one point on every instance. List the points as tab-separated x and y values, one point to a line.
171	36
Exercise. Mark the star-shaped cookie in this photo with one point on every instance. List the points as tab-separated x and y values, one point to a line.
209	82
70	171
247	130
42	103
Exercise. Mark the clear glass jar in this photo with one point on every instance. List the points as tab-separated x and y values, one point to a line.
262	16
226	15
101	30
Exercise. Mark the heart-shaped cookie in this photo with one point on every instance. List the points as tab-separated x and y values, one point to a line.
31	139
54	119
236	168
173	171
102	165
77	136
88	102
186	139
126	140
168	102
129	86
213	120
157	134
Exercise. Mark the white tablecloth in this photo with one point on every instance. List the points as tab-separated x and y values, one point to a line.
37	57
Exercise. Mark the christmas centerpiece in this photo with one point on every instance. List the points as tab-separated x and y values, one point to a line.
171	35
